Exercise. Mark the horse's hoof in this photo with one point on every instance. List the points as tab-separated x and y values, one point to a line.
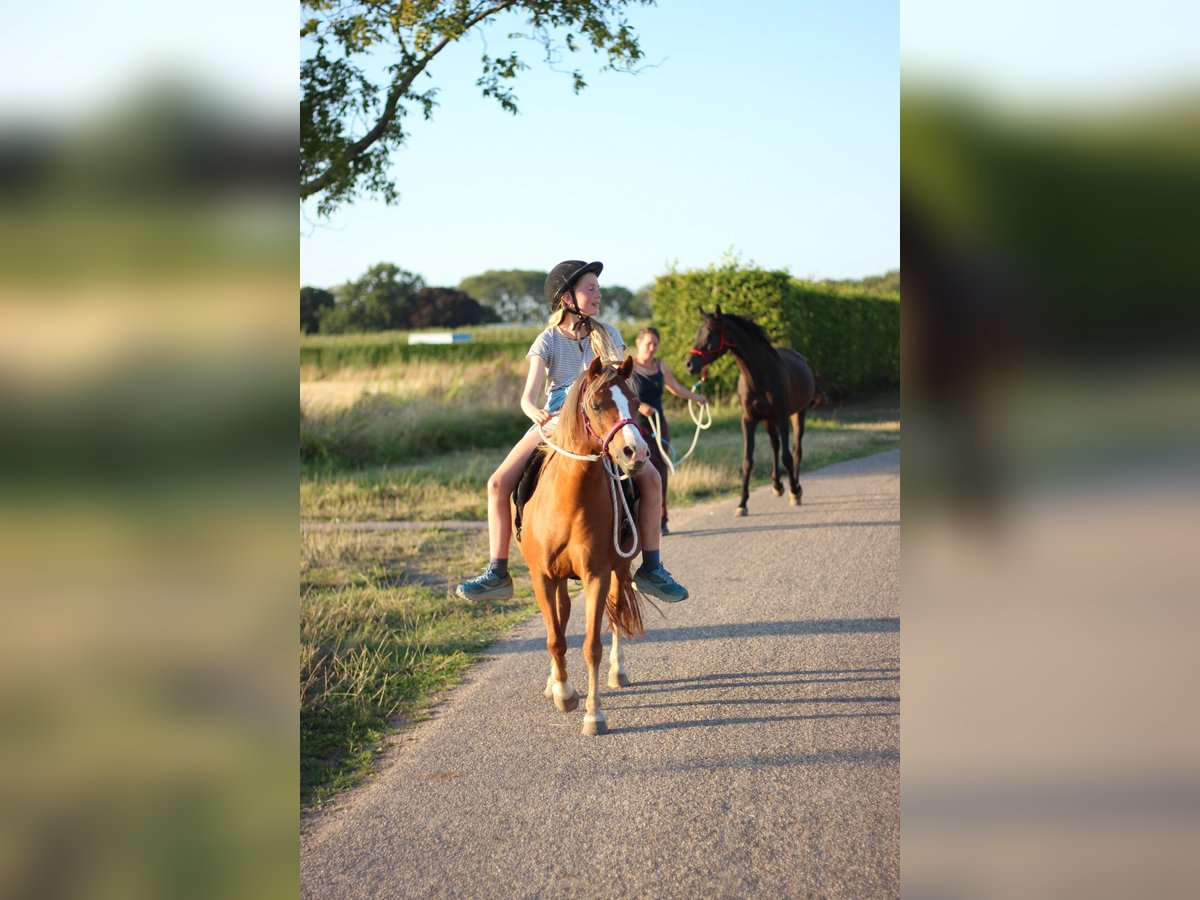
566	698
595	724
740	511
778	489
795	499
618	680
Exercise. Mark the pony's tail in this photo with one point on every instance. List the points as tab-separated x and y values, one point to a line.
624	607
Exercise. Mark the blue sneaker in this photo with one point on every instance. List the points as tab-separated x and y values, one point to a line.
488	586
659	583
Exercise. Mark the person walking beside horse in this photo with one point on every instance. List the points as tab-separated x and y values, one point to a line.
650	376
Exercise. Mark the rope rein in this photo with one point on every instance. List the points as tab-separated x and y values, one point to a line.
701	425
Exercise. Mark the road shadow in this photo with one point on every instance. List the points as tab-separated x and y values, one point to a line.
720	632
784	760
752	701
750	720
713	690
704	532
728	680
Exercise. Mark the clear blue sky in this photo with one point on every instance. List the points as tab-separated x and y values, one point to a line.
769	128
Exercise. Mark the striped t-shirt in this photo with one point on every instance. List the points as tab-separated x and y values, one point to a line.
566	359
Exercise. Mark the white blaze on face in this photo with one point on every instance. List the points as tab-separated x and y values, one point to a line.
633	436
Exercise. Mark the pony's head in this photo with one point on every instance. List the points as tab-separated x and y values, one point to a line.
605	402
711	342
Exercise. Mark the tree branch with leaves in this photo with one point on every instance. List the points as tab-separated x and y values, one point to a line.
349	125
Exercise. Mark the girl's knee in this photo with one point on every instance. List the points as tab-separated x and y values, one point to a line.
649	479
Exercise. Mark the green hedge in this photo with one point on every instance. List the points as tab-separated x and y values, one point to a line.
851	340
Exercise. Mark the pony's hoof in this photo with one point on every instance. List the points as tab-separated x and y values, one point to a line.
740	511
566	698
795	500
618	680
595	724
778	489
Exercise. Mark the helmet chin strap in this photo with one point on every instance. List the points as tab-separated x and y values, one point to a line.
584	321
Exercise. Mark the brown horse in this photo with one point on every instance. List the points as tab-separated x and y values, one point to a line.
774	383
571	529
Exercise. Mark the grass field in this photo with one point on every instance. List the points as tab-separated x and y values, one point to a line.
380	638
381	634
450	483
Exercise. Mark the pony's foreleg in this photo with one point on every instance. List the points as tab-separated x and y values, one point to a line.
773	434
747	462
593	651
617	676
555	614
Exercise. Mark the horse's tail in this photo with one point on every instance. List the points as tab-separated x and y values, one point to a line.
828	393
624	608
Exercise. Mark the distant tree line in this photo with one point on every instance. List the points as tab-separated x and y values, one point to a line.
388	298
885	285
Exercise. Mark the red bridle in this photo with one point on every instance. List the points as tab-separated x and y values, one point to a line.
725	344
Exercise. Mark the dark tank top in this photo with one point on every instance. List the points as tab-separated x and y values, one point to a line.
649	388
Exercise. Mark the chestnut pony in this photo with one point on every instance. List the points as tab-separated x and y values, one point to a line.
571	529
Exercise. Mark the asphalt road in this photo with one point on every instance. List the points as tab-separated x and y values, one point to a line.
755	754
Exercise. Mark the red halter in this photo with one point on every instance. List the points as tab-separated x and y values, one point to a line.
725	344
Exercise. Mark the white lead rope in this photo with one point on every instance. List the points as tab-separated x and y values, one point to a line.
614	476
591	457
701	425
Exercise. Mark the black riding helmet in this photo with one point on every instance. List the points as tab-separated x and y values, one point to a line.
562	279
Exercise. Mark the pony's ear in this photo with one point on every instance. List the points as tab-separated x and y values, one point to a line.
626	367
596	367
700	309
717	314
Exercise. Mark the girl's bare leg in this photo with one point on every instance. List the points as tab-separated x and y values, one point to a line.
500	487
650	508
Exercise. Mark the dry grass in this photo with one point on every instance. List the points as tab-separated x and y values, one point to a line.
453	485
491	384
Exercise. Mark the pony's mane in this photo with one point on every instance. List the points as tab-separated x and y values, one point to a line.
752	329
570	433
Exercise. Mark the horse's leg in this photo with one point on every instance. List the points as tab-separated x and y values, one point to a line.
747	461
781	428
617	676
773	434
593	651
556	610
797	455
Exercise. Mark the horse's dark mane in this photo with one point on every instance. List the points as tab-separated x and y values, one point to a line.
750	328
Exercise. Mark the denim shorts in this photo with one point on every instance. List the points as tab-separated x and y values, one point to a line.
553	405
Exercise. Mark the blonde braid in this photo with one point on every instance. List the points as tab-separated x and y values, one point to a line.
602	343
